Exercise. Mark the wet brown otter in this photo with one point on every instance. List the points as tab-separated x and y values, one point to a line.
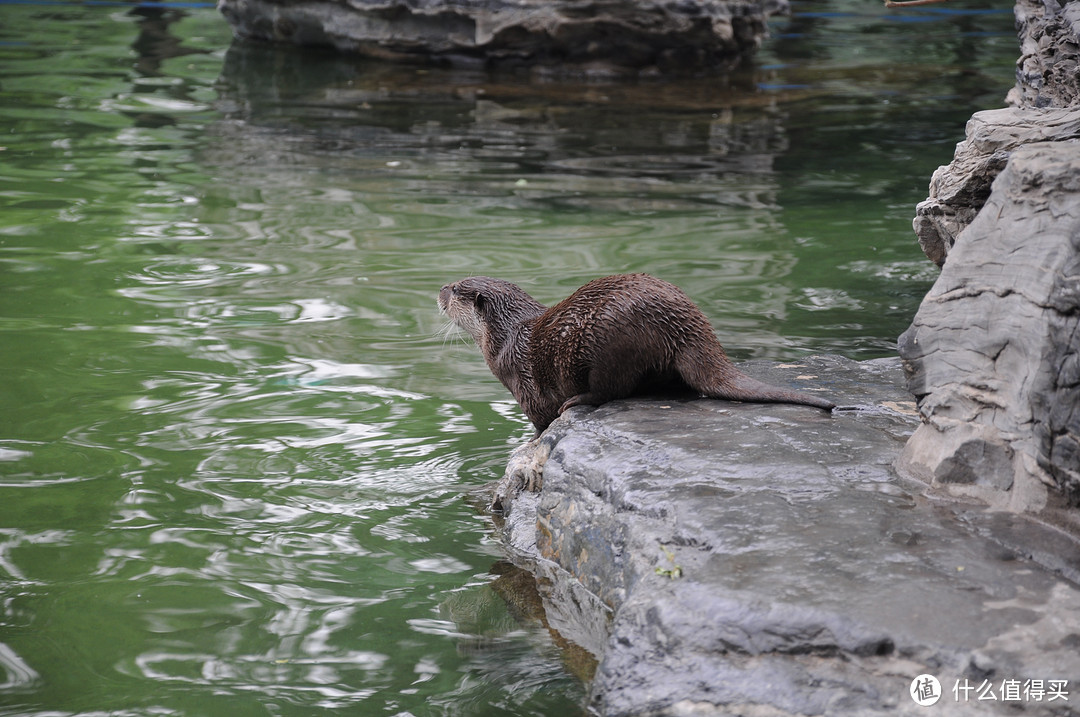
603	342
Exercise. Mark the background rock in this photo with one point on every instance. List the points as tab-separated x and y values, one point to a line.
766	559
1048	71
665	35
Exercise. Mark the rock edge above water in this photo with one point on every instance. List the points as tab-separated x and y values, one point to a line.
959	190
724	558
576	35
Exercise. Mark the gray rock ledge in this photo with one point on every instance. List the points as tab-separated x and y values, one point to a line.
580	35
746	559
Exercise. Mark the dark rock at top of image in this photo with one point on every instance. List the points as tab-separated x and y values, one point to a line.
669	36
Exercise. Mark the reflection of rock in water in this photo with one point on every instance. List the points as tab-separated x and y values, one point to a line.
487	616
519	589
154	45
446	166
635	146
155	42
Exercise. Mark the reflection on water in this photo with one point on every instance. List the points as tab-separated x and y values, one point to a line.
236	439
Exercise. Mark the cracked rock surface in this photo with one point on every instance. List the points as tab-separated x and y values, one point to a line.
748	559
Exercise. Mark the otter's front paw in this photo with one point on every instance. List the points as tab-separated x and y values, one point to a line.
524	471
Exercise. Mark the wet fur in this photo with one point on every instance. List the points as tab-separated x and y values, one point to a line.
605	341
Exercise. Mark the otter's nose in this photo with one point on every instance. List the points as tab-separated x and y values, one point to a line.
444	296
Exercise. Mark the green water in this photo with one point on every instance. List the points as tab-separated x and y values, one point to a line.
234	440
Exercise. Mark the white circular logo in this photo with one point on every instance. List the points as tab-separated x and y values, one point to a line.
925	690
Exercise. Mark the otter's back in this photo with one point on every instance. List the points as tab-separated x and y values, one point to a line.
619	321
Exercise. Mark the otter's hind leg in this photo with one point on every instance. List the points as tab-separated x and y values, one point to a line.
607	383
707	370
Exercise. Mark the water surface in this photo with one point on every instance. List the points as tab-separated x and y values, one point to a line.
234	439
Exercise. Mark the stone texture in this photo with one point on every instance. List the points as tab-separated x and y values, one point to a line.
994	350
1047	78
959	190
993	354
664	35
1048	71
742	559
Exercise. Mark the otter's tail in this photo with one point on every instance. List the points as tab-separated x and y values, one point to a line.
740	387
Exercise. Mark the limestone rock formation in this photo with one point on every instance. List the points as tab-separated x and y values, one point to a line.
665	35
1047	78
1048	71
994	352
959	190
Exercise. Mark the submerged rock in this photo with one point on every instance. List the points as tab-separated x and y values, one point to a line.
725	558
666	35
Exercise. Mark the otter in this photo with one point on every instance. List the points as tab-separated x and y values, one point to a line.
609	339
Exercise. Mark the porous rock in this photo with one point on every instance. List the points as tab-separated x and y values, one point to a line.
1048	71
669	35
766	559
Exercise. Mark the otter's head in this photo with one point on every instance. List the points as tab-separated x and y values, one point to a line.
489	310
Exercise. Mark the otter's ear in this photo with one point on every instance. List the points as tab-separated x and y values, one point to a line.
480	302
